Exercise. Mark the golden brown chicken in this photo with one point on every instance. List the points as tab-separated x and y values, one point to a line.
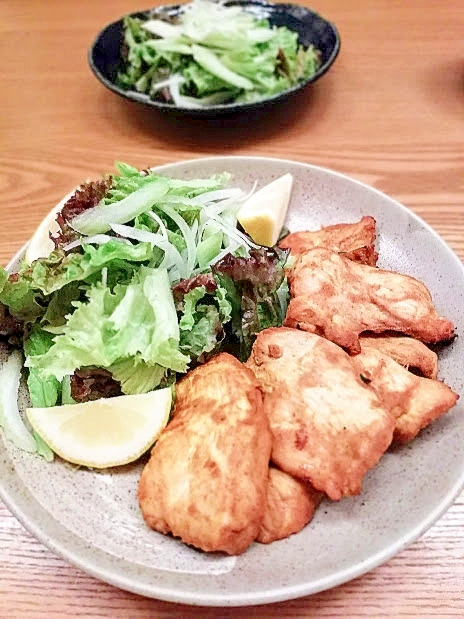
339	299
290	506
354	240
328	426
408	352
414	400
207	476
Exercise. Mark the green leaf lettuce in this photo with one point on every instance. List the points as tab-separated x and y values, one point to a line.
138	319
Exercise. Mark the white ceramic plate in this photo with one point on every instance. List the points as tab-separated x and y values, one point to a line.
92	519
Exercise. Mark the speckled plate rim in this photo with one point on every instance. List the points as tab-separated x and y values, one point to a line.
108	568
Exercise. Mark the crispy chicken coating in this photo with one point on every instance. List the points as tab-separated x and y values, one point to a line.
415	401
408	352
328	426
338	299
207	476
290	506
354	240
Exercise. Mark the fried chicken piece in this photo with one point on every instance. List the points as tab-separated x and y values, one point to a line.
363	255
338	299
328	427
354	240
414	400
290	506
408	352
207	476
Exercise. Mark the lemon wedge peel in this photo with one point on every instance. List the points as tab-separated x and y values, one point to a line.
104	433
40	244
263	214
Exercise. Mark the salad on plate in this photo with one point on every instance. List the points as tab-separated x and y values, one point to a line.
143	278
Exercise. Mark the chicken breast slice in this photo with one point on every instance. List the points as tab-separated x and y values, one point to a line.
206	480
408	352
355	240
290	505
339	299
415	401
328	427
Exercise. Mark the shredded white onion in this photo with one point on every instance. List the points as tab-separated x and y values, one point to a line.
168	83
187	233
236	235
160	223
218	194
97	239
172	257
192	103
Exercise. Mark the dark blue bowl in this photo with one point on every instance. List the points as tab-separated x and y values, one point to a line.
105	53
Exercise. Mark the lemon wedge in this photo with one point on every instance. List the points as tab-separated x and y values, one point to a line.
263	214
40	245
106	432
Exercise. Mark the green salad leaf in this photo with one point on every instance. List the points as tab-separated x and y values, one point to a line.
29	295
133	320
58	270
137	376
203	315
43	391
258	292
